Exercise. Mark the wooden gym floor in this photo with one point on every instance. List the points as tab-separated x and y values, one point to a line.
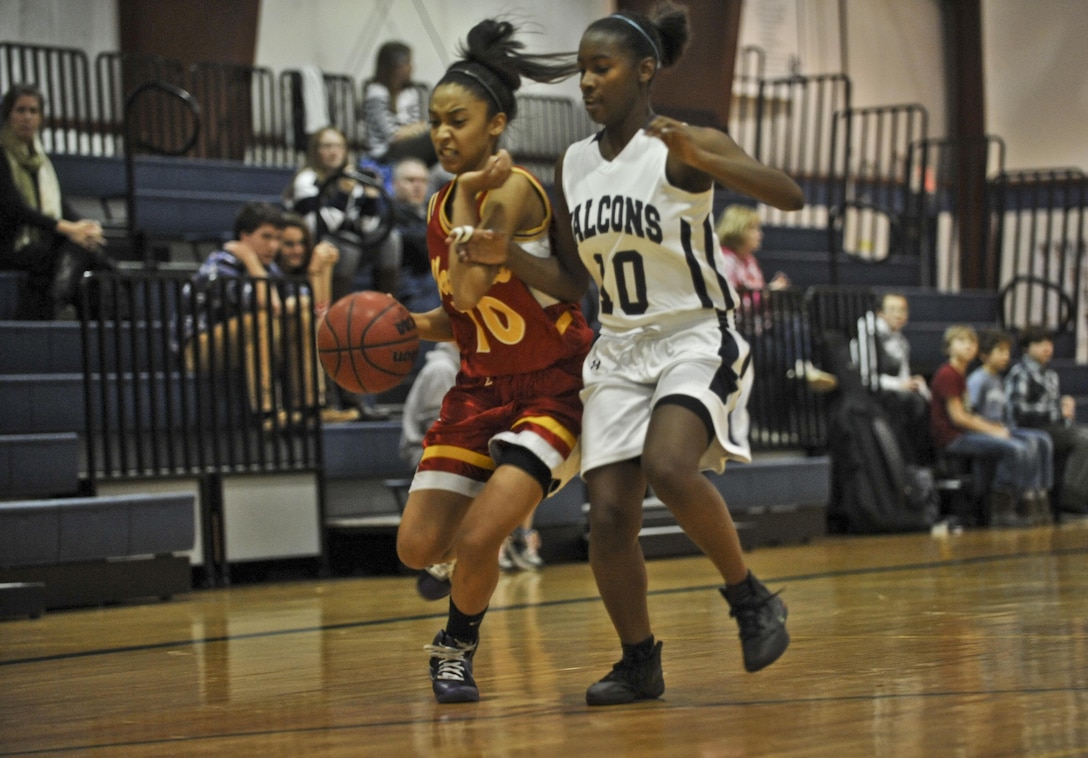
968	645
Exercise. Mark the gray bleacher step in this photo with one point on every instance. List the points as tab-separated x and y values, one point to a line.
807	268
56	347
40	347
36	403
775	500
104	176
22	599
39	464
10	284
363	450
802	240
785	524
94	550
951	307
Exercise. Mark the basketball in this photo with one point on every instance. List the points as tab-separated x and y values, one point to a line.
367	342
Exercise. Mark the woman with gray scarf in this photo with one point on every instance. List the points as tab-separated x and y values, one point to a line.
39	233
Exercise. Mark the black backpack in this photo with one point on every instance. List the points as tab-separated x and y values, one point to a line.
872	489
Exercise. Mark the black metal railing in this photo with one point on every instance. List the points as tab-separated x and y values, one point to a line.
784	411
794	125
747	75
1041	218
936	208
117	76
63	76
167	398
869	198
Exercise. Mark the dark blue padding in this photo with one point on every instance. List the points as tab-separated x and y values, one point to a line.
11	283
39	464
797	482
161	524
29	533
364	450
97	176
40	347
84	529
93	530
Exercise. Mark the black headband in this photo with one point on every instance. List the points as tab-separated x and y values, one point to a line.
487	87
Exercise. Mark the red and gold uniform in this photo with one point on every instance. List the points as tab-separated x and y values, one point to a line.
521	368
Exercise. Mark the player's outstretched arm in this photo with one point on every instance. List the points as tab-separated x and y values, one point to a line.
697	154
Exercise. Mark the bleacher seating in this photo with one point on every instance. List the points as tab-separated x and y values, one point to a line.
39	465
11	283
87	551
175	198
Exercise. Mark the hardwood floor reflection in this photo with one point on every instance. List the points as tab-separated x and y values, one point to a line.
970	645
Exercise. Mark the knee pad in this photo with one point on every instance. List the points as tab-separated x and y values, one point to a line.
522	458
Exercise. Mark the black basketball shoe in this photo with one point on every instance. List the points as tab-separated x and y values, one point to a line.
451	670
761	616
631	679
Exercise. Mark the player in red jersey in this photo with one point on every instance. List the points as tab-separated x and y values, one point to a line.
513	418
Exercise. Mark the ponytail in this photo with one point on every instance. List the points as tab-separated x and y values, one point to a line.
492	65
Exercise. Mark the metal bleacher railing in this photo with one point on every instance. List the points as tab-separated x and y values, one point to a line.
785	413
163	401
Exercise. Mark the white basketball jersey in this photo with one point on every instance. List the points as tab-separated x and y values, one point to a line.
650	246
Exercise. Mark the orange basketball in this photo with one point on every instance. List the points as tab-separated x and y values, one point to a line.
367	342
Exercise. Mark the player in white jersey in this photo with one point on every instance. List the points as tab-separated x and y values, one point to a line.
665	380
651	248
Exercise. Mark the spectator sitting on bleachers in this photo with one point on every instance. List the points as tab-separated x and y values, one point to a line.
883	358
1035	401
40	233
959	431
393	109
336	213
418	291
986	389
234	306
740	234
299	257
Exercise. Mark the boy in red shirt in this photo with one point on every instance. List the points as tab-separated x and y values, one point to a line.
958	430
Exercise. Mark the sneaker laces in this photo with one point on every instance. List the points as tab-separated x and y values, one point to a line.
453	660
